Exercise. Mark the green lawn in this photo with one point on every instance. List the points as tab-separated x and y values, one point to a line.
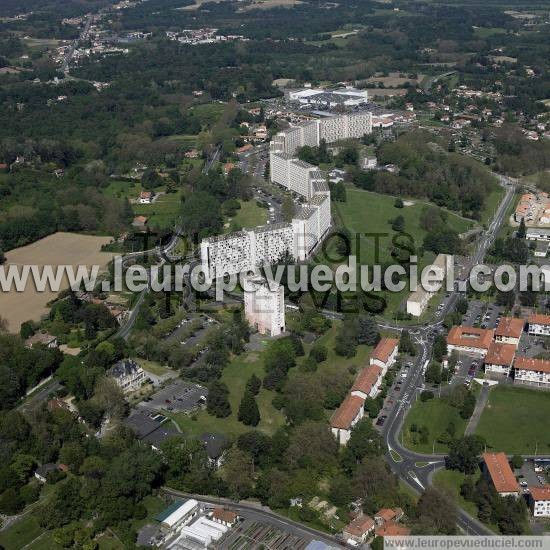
21	533
236	376
491	204
450	482
366	212
185	140
208	113
152	366
485	32
121	189
163	212
436	415
516	420
250	214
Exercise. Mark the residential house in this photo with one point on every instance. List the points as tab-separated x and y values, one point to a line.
127	374
224	516
539	501
215	446
146	197
227	167
385	515
345	417
385	353
469	340
509	330
140	222
499	359
532	372
367	383
192	154
358	530
42	338
539	324
42	472
497	469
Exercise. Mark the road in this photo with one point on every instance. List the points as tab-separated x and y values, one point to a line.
83	35
164	254
413	468
261	514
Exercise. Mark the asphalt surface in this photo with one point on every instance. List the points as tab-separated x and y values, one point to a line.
262	514
403	462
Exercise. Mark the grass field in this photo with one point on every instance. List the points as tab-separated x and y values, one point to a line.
57	249
491	204
485	32
515	420
121	189
236	376
185	140
366	212
250	214
436	415
163	212
152	366
450	481
20	534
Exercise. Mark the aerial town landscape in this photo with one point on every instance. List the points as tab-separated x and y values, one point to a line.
273	273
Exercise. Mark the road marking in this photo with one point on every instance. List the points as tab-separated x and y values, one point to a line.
414	477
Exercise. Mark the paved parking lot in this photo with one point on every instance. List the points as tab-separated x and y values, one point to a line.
178	396
531	345
482	314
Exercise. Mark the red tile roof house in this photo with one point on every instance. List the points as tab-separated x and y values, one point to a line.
345	417
225	517
539	324
385	353
469	340
533	372
146	197
509	330
385	515
358	530
499	359
539	501
367	383
498	471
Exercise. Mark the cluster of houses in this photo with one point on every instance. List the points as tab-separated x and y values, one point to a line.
533	208
385	524
497	470
498	348
367	384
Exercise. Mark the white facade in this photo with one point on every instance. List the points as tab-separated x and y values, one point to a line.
539	500
348	97
419	299
539	327
127	374
246	250
534	234
264	305
532	377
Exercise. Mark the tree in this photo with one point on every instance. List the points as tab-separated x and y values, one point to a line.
201	213
440	347
2	257
368	333
398	203
516	461
522	231
433	373
288	208
437	512
464	454
217	402
406	344
462	305
398	224
238	473
318	353
11	502
248	410
253	384
341	491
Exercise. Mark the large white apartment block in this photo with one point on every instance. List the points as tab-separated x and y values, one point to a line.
532	372
294	174
246	250
539	324
331	129
264	305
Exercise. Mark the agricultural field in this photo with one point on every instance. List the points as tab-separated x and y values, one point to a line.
435	415
54	250
515	420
